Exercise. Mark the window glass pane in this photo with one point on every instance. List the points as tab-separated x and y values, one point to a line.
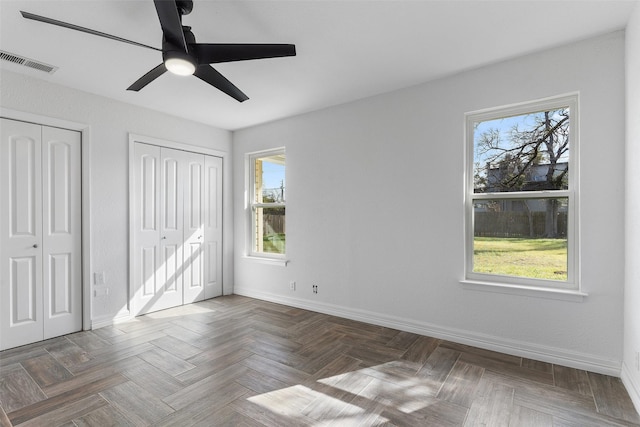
529	152
270	179
521	237
268	199
270	230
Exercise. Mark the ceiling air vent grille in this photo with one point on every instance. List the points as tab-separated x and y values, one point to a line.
26	62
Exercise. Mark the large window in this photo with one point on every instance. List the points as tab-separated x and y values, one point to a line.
268	196
521	194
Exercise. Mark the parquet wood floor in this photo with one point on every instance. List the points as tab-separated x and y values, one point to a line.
236	361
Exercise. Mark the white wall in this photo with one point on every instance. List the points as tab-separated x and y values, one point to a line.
109	124
630	369
375	210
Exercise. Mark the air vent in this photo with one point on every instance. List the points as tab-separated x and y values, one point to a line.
26	62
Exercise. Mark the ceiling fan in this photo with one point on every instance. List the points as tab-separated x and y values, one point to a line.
181	54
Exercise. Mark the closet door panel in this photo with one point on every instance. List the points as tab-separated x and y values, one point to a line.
23	292
146	228
172	268
148	207
25	192
171	229
61	283
148	266
193	228
21	319
62	243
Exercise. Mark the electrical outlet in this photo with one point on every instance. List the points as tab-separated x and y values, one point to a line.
315	289
292	285
98	278
102	291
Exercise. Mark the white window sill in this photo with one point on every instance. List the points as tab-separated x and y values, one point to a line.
269	261
550	293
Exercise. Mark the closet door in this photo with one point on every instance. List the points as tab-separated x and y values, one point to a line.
176	227
21	244
40	227
213	226
158	228
61	239
193	262
146	264
171	229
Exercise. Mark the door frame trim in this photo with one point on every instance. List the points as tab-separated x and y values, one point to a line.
85	182
142	139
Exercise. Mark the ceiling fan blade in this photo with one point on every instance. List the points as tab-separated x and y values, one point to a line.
148	78
46	20
211	53
214	78
170	23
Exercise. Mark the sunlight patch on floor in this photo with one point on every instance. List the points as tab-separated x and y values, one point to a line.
293	401
377	387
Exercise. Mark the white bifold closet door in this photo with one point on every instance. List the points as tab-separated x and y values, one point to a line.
40	233
175	252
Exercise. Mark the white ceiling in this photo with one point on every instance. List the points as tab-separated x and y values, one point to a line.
346	50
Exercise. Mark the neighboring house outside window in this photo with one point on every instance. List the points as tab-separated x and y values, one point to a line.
521	194
268	203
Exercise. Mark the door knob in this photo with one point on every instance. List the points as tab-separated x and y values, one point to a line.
35	245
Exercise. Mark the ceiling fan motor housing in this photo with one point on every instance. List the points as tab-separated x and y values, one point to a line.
184	6
176	59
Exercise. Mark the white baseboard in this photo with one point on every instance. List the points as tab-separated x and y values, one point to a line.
110	321
525	349
633	387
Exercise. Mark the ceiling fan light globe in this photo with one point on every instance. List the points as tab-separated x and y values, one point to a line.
180	66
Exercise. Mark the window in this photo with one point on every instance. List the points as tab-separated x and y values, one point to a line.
268	195
521	195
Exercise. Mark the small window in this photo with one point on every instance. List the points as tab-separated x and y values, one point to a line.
521	194
268	203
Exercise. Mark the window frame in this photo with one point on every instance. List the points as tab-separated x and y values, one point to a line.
252	205
572	284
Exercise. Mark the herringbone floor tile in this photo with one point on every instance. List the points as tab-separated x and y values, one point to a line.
236	361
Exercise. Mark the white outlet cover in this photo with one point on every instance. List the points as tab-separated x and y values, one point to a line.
98	278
